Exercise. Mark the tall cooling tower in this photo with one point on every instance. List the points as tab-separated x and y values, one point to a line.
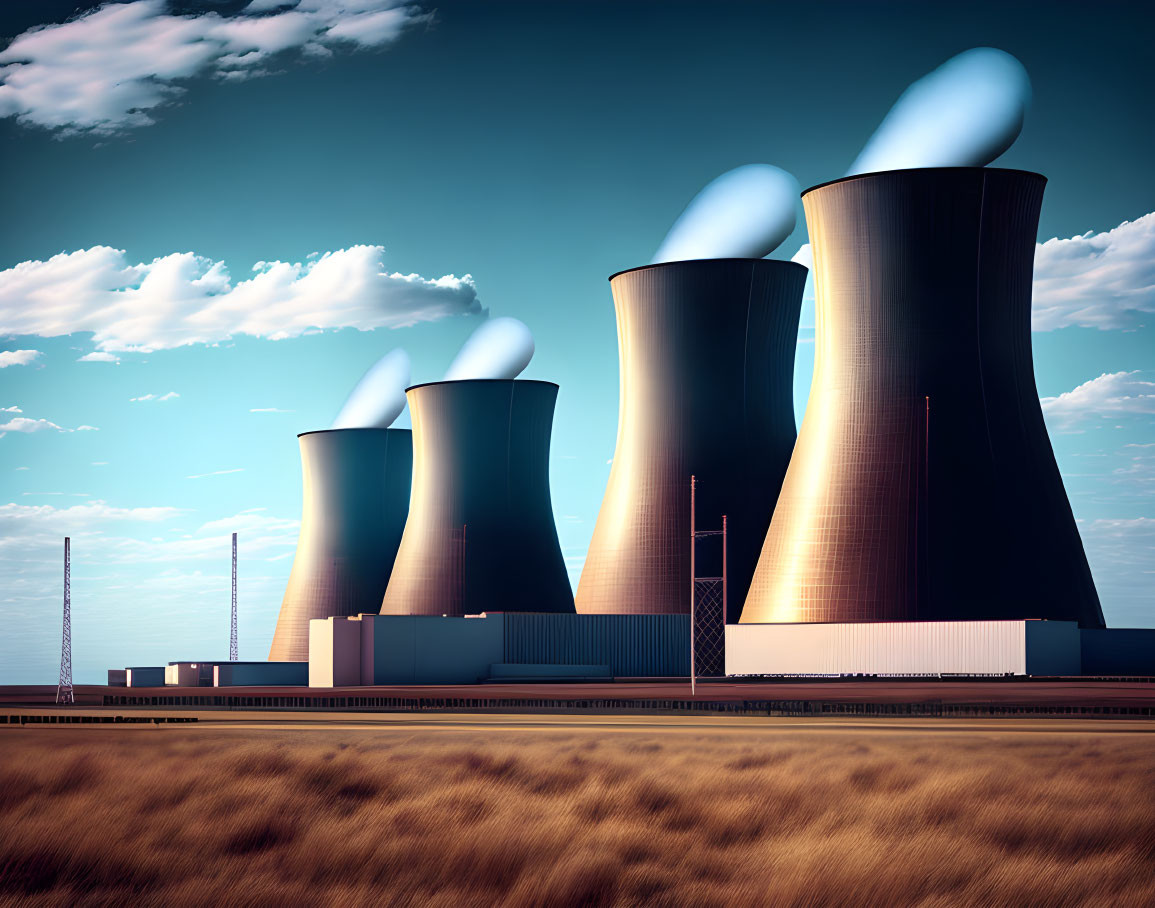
923	486
356	494
706	353
480	534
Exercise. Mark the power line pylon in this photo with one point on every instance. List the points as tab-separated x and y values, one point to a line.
64	694
233	622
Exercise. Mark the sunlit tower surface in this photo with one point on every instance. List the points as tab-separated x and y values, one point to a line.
64	687
233	622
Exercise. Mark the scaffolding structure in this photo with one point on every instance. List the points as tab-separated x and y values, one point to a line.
708	600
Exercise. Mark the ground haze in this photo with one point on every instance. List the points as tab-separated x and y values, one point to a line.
787	814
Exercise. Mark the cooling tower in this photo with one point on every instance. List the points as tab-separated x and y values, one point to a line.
480	534
356	494
923	486
706	353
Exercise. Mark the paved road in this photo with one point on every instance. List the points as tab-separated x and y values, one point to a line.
215	720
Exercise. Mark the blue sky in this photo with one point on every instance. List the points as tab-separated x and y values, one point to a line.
536	149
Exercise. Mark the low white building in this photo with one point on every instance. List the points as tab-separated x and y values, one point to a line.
905	648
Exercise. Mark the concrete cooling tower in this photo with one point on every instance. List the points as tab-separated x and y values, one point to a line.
356	495
706	353
923	485
480	534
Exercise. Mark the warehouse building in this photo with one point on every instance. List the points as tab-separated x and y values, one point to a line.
526	646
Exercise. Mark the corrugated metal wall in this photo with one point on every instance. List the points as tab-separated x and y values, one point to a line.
891	648
631	645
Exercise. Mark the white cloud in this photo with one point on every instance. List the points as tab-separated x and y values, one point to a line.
98	357
171	395
10	410
269	410
110	68
17	357
216	473
23	468
28	426
1111	395
24	424
182	298
1097	280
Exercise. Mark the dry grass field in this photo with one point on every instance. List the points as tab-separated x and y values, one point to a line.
174	816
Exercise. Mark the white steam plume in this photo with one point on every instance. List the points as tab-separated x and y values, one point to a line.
379	396
964	114
499	348
745	213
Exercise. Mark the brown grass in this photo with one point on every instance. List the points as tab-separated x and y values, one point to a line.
371	817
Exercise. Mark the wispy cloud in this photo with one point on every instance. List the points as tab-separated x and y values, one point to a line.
216	473
109	69
10	410
1110	396
183	298
1097	280
17	357
269	410
30	426
97	357
171	395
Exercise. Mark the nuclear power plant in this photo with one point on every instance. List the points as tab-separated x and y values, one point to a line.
356	496
919	526
480	535
923	486
706	354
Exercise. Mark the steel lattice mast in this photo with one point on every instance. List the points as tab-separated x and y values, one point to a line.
64	687
233	622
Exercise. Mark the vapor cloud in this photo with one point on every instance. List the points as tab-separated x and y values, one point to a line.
745	213
379	396
1110	396
1097	280
109	69
97	357
182	298
17	357
964	114
499	348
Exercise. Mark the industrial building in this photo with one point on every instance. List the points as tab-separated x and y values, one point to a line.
923	486
422	649
212	674
356	497
706	353
480	532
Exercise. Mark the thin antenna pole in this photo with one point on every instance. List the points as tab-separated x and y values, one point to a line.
725	608
233	622
64	694
693	583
